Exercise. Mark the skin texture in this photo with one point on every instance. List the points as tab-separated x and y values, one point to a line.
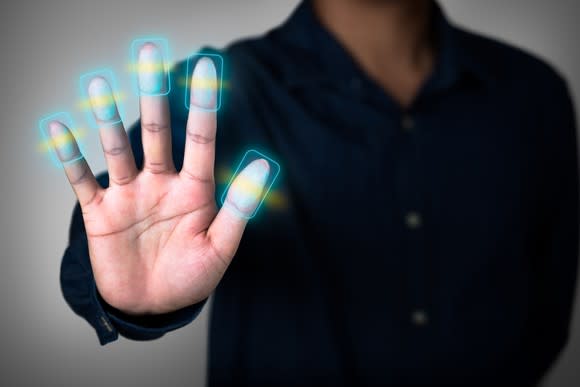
157	242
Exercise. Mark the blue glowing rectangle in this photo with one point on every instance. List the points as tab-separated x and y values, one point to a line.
46	142
218	62
250	156
159	69
85	103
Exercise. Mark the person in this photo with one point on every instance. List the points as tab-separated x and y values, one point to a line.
427	218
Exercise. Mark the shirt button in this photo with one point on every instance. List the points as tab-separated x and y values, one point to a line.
413	220
407	123
419	318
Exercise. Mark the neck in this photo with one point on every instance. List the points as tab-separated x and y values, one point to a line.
389	39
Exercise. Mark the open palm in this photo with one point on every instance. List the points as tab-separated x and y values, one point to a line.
157	242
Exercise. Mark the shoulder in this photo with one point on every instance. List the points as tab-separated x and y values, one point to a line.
265	57
510	64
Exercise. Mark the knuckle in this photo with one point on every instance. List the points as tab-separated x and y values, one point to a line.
199	138
82	177
116	151
156	168
195	177
122	180
154	127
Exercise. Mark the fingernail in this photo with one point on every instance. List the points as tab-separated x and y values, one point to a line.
245	192
63	142
151	70
204	84
102	101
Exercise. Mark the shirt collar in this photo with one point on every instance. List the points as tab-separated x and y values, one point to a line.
326	60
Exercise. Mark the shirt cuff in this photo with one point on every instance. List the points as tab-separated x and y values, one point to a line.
145	327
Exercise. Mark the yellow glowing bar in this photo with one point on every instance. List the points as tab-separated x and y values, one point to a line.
147	67
213	84
275	199
61	139
247	186
104	100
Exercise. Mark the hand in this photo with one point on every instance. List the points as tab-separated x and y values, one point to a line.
156	240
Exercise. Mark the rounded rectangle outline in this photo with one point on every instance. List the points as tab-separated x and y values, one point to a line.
187	96
267	189
134	60
69	123
109	75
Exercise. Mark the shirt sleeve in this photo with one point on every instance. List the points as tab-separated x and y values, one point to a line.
555	267
76	276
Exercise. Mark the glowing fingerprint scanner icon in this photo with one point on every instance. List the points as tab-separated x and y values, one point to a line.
204	81
149	66
101	98
251	184
63	142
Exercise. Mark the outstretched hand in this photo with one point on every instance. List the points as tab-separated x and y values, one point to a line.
157	242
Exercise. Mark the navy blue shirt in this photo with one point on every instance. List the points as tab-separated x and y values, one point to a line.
435	244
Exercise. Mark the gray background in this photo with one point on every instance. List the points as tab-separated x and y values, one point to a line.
45	46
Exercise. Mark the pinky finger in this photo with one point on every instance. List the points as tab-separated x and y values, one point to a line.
76	168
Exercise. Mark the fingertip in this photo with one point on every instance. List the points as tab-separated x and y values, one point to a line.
247	188
151	70
63	142
263	165
149	51
148	46
204	66
102	100
258	170
99	86
56	128
204	84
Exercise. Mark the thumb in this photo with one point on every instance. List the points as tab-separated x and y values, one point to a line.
243	196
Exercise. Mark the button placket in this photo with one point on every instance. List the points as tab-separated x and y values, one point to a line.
407	122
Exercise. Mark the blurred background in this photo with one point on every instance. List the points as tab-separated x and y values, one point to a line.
46	46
